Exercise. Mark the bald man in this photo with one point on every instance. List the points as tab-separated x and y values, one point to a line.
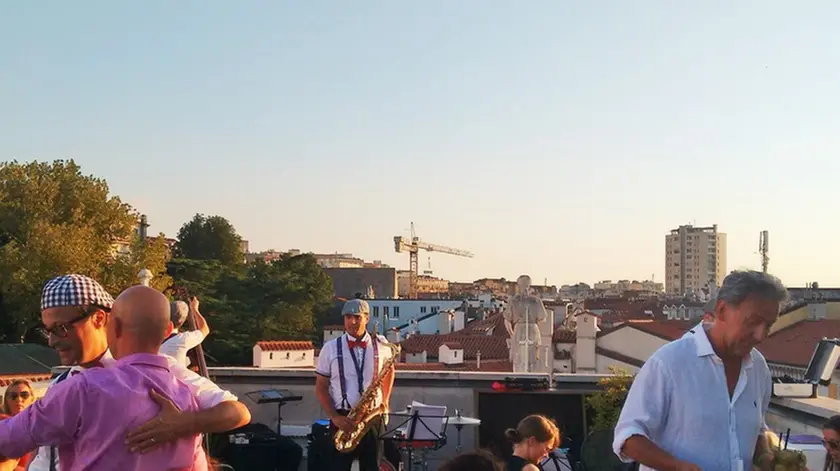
89	415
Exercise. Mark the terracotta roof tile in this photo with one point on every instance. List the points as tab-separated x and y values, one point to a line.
563	335
6	380
794	345
494	325
491	347
668	330
285	345
486	365
453	345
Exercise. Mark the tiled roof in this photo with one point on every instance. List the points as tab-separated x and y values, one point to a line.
6	380
486	365
563	335
491	347
494	325
794	345
668	330
453	345
285	345
27	359
619	356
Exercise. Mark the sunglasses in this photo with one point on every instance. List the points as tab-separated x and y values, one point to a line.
23	395
830	444
61	330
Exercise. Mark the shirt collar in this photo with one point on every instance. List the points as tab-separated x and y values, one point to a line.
150	359
365	338
704	346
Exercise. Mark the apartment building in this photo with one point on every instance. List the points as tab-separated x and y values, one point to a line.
695	258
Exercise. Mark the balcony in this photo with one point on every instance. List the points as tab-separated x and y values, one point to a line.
472	394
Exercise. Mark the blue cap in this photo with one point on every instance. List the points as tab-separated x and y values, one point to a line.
355	307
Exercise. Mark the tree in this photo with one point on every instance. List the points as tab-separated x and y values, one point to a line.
258	301
607	402
56	220
209	238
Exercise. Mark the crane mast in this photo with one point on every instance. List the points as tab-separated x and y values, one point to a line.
764	249
413	246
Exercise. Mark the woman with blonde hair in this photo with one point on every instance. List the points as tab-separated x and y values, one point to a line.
532	439
18	396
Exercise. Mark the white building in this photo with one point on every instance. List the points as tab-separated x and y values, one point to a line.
390	313
695	259
284	354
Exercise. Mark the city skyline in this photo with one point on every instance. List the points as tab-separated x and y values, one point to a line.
556	140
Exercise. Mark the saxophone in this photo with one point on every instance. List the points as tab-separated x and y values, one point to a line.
364	412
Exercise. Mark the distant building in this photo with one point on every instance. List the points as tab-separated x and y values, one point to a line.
284	354
695	259
425	284
629	288
349	281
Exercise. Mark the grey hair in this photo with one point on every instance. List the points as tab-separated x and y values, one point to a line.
741	284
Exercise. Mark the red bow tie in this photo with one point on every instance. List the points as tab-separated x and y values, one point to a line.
356	343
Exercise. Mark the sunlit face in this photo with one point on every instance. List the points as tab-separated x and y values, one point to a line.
355	324
831	442
18	398
746	325
69	328
536	450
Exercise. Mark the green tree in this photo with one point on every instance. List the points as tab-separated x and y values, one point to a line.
258	301
608	401
56	220
209	238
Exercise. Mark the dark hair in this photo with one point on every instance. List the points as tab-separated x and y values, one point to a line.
479	460
541	428
833	423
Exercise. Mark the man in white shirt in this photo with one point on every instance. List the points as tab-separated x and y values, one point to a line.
74	310
346	367
179	343
699	402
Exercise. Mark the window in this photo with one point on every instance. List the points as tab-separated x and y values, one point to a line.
422	309
396	312
385	311
271	356
375	311
288	355
435	309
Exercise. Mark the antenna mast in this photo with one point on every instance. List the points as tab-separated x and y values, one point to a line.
764	249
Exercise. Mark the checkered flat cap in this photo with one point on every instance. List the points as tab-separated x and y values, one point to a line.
74	290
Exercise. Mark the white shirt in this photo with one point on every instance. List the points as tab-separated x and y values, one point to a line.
328	367
178	345
679	400
206	392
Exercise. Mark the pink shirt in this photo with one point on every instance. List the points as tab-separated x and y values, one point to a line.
89	415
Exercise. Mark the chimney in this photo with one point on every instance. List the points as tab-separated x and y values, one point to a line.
144	224
478	360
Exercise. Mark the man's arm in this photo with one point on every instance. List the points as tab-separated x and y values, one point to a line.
388	387
643	415
53	419
200	322
322	393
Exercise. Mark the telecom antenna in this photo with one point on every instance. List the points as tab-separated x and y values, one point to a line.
764	249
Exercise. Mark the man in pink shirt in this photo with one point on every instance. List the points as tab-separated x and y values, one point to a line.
89	415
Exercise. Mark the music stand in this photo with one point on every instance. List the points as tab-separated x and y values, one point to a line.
279	396
418	430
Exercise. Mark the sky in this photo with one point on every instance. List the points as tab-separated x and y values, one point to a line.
557	139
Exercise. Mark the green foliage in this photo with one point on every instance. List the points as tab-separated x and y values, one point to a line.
257	301
607	402
56	220
209	238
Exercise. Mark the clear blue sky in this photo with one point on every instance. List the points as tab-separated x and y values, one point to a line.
558	139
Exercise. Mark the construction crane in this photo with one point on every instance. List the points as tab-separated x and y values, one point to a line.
764	249
415	245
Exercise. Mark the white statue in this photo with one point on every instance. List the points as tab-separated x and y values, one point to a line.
523	317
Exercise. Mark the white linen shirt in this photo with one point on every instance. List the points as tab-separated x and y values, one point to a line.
206	392
179	344
679	400
328	367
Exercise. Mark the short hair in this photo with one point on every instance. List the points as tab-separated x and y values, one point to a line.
480	460
178	312
741	284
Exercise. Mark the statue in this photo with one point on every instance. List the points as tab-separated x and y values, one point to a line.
523	317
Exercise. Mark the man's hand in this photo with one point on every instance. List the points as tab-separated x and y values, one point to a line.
162	429
343	423
194	304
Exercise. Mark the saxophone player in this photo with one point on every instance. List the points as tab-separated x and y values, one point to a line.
346	367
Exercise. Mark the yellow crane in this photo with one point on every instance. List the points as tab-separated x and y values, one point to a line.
415	245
